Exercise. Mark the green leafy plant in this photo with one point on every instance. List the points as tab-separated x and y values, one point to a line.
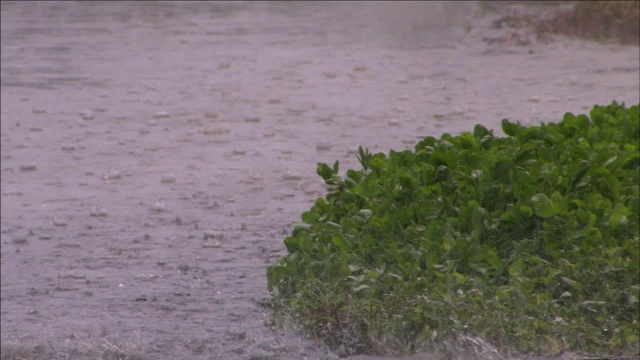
529	241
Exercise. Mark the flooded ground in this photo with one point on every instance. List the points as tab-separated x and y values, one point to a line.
154	155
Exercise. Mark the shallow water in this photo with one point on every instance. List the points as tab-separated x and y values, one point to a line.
238	101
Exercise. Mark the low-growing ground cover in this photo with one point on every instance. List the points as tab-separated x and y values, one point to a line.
530	242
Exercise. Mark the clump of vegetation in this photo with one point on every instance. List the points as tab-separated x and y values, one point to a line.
597	20
530	242
603	21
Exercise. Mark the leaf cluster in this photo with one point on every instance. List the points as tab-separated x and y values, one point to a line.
529	241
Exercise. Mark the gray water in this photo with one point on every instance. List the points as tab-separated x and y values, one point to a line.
237	102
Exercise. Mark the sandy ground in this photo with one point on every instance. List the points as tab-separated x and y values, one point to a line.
155	155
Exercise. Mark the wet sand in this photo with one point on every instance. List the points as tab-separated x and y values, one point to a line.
155	155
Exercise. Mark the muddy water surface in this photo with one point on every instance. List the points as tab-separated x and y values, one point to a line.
155	155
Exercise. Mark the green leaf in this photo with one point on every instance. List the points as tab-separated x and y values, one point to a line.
324	171
309	217
618	216
407	181
509	128
517	268
526	210
378	162
340	242
559	202
356	176
480	131
459	276
543	206
364	157
467	141
365	214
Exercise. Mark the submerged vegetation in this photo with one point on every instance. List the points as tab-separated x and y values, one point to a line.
530	242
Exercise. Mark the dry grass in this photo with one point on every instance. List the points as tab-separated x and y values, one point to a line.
104	346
